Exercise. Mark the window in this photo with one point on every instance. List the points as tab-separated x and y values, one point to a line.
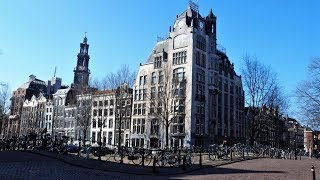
111	102
200	75
140	80
138	126
140	94
94	112
151	108
160	92
143	108
200	59
201	43
154	126
136	95
106	102
179	57
110	123
179	74
93	137
153	78
177	126
95	103
178	106
94	123
200	109
144	96
199	126
200	92
105	112
157	62
105	123
100	103
145	80
111	112
134	126
153	93
100	111
161	77
143	126
135	109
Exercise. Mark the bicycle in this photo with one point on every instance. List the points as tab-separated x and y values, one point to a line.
132	155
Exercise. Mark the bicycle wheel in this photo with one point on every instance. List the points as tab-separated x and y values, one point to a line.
82	153
162	160
212	155
117	157
189	159
148	159
108	156
135	158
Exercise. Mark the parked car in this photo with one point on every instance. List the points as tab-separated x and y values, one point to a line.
96	151
71	148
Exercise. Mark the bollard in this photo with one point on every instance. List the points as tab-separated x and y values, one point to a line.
154	165
184	163
200	160
313	173
242	153
300	156
230	154
290	155
142	157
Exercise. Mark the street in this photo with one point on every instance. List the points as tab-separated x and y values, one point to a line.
24	165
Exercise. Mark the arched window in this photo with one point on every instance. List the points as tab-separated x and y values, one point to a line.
179	74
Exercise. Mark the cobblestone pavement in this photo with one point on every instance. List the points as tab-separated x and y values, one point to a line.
261	169
24	165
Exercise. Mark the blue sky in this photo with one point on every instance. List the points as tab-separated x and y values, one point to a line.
37	35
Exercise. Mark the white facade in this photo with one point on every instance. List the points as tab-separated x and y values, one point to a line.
194	83
49	117
103	118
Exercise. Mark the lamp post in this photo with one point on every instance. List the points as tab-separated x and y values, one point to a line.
295	141
100	123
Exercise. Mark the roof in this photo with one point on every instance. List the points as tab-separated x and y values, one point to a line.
62	91
104	92
159	47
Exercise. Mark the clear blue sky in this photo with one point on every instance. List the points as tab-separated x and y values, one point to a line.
37	35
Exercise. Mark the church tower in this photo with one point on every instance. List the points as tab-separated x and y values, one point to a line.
82	72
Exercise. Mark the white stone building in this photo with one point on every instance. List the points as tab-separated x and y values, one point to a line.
103	117
188	85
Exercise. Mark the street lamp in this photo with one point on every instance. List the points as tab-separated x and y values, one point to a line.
295	140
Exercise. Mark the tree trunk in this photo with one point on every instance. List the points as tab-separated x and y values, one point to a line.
84	138
252	127
167	135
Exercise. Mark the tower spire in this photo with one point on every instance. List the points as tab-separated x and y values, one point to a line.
85	40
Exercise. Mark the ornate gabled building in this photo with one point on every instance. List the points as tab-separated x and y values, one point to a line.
187	93
31	88
33	115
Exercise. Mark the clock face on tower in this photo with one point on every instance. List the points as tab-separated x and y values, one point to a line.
201	25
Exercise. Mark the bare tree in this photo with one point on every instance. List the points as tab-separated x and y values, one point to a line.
166	102
262	88
308	95
4	104
83	109
121	82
